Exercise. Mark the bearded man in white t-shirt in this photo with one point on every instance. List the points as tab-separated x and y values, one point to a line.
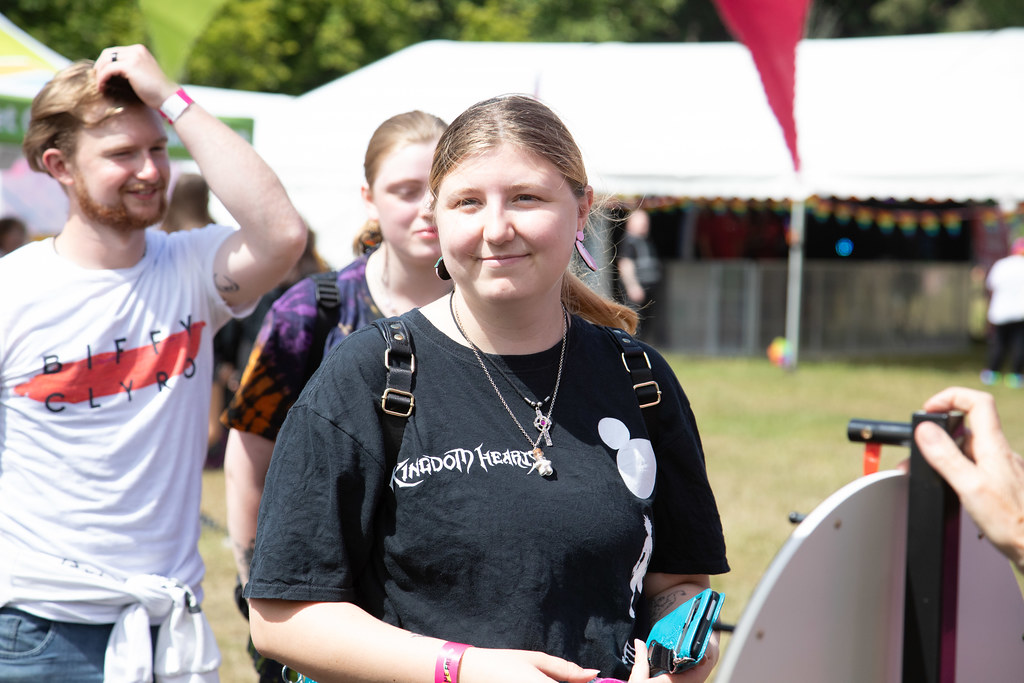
105	375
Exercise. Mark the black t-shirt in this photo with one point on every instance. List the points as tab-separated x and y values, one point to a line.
458	537
644	257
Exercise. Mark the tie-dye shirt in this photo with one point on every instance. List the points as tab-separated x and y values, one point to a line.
274	375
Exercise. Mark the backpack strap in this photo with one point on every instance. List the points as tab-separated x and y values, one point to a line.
328	300
638	365
397	401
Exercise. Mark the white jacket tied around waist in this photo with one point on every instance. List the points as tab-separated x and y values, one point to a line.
186	651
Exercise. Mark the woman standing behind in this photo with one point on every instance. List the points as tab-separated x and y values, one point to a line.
529	511
393	275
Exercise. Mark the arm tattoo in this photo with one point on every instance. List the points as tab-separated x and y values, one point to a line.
247	551
224	283
666	602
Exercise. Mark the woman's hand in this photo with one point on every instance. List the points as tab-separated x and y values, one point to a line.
642	672
486	665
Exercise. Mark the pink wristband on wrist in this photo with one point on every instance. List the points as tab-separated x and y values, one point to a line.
175	105
448	661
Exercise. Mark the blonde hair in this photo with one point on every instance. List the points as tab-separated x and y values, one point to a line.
531	126
66	105
401	130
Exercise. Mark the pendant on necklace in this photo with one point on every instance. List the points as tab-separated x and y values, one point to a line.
542	425
540	463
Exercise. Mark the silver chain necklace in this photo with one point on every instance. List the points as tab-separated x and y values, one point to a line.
541	422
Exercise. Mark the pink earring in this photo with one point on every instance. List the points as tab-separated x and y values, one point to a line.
584	254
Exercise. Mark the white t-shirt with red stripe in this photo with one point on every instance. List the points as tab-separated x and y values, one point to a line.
105	382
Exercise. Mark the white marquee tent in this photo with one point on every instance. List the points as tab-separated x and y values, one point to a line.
914	117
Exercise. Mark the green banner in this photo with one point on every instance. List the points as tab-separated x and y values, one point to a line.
176	150
15	111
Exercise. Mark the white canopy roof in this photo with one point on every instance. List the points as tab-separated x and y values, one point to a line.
912	117
915	117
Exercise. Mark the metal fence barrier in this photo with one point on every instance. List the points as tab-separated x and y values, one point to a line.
736	308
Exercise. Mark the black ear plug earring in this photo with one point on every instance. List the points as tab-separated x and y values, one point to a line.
441	271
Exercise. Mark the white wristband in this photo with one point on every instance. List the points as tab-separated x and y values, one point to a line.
175	105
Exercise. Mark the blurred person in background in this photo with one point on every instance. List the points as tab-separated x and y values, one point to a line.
640	274
13	234
1005	282
189	206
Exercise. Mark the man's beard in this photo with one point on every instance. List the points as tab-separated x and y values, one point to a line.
117	216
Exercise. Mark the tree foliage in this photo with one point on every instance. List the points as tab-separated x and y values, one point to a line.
292	46
78	29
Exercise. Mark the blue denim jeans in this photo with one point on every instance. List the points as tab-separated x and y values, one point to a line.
34	649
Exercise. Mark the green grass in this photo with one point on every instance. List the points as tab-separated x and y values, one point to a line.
775	443
230	628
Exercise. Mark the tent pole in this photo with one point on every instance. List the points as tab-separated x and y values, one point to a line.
795	277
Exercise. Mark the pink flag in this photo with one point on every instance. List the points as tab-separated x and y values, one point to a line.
771	30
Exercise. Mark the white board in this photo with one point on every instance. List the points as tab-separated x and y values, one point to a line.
829	608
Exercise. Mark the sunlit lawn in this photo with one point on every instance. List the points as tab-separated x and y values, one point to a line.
775	442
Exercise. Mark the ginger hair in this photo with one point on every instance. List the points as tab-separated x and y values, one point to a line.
401	130
69	103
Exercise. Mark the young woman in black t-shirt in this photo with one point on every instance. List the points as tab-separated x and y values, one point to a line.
531	511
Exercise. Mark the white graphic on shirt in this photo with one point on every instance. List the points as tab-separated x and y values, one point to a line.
90	381
640	568
635	457
628	653
638	469
413	471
